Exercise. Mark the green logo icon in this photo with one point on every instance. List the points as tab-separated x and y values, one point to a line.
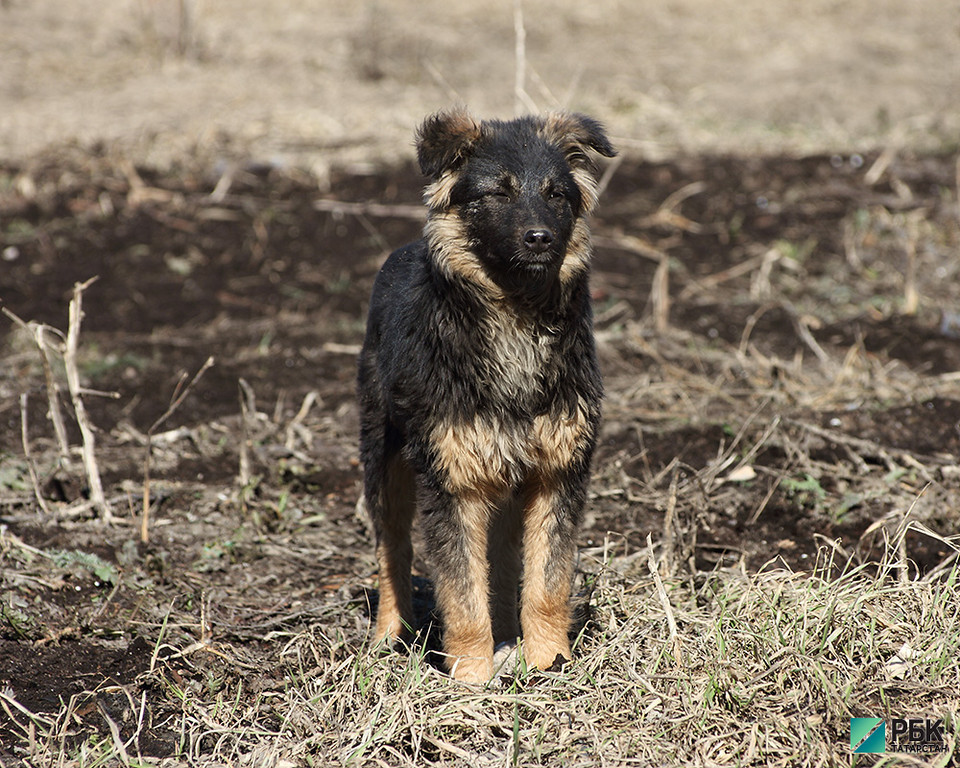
868	735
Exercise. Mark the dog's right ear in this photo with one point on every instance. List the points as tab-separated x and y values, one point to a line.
444	141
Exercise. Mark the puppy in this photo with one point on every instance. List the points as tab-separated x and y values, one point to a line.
479	389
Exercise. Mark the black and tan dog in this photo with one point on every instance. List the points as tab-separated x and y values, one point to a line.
479	387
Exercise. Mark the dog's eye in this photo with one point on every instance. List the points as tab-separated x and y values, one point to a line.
500	194
556	194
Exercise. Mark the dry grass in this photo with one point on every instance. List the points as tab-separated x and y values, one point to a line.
774	665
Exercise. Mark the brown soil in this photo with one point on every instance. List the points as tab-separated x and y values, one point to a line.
847	410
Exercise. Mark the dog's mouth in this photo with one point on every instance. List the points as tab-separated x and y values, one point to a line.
543	261
536	261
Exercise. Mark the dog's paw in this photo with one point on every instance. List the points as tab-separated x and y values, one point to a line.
546	659
472	669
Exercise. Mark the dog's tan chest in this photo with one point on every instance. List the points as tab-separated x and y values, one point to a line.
517	356
489	455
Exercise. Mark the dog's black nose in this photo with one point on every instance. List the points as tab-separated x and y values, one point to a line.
538	240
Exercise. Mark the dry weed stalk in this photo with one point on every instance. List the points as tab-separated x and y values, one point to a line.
880	165
25	439
674	635
911	296
521	99
377	210
956	196
666	214
248	410
660	287
660	296
296	423
38	332
180	393
186	27
87	434
710	282
761	287
668	543
850	249
802	324
612	166
53	398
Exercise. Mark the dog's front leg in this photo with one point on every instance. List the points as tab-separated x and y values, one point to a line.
551	518
456	530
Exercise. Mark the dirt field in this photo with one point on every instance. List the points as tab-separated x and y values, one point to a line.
777	294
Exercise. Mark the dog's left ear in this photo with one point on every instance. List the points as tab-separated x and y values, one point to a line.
574	134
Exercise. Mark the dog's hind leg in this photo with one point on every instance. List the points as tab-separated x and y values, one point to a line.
391	500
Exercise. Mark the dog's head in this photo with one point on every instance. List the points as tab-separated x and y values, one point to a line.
515	191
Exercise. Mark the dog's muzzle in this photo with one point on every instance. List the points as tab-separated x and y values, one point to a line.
538	240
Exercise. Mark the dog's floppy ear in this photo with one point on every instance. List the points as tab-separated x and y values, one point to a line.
444	141
574	133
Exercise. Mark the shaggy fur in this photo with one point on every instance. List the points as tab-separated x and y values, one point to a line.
479	387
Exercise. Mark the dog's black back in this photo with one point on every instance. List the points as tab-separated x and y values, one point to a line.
479	387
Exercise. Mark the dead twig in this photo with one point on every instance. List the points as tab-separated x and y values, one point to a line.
312	397
660	296
708	283
341	349
34	480
118	742
674	635
866	448
248	410
636	245
53	396
850	245
222	189
760	285
398	211
880	166
750	324
180	392
755	515
521	99
38	332
727	455
801	324
76	395
911	296
669	542
6	699
956	196
608	173
660	287
667	216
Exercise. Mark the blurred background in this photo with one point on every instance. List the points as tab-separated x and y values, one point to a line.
324	83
